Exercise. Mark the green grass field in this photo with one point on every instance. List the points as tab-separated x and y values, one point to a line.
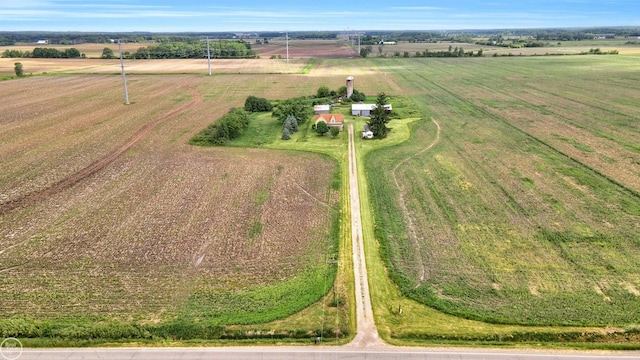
527	209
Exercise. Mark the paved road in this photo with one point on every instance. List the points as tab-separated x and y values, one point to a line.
303	353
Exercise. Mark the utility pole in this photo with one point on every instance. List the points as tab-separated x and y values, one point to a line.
287	37
208	56
358	43
124	78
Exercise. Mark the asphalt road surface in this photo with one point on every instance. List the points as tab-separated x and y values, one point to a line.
307	353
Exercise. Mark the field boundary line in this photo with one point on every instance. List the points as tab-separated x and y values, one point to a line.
411	227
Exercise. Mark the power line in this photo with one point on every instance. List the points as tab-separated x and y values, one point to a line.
208	56
124	78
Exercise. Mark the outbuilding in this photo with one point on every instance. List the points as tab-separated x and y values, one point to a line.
321	109
367	133
365	109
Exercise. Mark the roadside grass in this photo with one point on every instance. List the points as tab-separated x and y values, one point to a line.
453	194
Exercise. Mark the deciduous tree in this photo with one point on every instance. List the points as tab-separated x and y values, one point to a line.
19	70
323	91
322	128
296	107
107	53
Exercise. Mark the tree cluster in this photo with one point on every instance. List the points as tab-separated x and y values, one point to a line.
229	127
296	107
43	53
195	50
256	104
358	96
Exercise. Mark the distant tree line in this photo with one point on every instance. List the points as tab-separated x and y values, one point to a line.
451	53
195	50
499	40
44	53
72	38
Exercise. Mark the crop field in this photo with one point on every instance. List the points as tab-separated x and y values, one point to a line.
306	49
562	48
169	66
107	214
526	207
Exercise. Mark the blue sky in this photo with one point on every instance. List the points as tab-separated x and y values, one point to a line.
278	15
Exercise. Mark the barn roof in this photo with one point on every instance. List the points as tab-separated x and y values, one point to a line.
364	107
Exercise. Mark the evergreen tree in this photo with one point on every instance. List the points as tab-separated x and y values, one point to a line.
379	118
291	124
286	135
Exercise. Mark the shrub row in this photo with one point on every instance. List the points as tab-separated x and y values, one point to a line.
229	127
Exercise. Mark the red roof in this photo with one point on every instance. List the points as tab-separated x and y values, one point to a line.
330	119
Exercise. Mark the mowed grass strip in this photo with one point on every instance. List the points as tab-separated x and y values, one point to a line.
514	224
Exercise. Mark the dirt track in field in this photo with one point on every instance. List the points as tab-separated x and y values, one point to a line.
96	166
411	228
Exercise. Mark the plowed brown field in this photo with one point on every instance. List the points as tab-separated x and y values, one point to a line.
106	211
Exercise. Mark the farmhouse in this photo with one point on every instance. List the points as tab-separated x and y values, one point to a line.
321	109
365	109
42	42
332	120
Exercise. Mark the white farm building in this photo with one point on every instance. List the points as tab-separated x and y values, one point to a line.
365	109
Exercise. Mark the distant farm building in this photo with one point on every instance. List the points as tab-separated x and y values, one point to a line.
365	109
42	42
321	109
367	133
332	120
387	43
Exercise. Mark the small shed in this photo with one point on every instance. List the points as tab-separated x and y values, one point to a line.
321	109
367	133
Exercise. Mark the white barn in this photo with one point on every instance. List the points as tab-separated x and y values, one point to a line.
365	109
